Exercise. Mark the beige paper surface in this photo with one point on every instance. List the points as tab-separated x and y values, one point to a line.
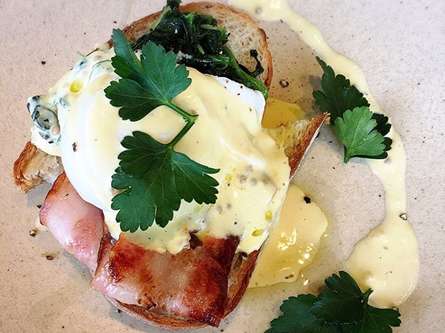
400	46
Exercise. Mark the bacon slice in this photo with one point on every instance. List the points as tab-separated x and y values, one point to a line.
77	225
191	285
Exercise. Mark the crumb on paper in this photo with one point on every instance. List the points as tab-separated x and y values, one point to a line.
33	232
50	256
284	83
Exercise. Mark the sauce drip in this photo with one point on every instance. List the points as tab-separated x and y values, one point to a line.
293	241
387	259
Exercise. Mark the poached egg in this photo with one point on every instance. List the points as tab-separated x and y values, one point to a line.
254	171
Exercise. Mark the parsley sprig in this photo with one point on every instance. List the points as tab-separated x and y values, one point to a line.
153	178
340	308
362	132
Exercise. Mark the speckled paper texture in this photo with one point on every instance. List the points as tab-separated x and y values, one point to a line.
399	44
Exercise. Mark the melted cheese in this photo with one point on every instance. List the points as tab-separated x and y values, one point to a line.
254	172
292	243
387	260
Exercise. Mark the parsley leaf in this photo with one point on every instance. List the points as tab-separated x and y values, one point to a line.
341	301
126	64
379	320
153	178
147	83
337	96
357	131
340	308
297	317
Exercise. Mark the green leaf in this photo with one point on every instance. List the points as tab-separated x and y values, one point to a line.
337	94
202	44
380	320
383	127
153	179
357	131
340	301
134	101
382	123
296	317
340	308
147	83
173	3
125	63
163	78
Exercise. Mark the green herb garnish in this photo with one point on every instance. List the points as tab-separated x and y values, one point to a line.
336	97
340	308
147	83
201	44
152	177
358	132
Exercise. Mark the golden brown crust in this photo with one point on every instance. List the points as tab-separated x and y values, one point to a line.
141	26
246	20
242	269
34	166
296	153
22	163
153	318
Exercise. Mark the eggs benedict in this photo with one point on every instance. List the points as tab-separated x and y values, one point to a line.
174	246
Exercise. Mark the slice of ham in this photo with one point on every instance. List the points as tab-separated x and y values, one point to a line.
77	225
191	285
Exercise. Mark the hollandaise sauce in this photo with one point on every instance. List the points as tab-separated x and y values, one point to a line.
86	131
293	241
387	259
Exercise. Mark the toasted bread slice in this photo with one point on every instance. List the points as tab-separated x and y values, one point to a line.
34	166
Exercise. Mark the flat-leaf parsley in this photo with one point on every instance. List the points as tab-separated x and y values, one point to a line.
357	131
147	83
336	97
340	308
153	178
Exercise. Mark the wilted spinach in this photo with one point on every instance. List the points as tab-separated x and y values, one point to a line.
201	44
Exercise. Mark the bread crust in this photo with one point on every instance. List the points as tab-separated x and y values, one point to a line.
141	26
21	165
34	166
297	152
247	20
242	266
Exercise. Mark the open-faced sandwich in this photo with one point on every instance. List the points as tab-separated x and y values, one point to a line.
164	182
